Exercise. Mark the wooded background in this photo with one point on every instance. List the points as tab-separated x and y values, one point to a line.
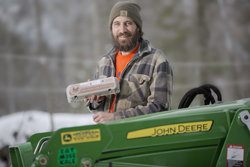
45	45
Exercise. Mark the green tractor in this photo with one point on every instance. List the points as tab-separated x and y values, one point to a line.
215	135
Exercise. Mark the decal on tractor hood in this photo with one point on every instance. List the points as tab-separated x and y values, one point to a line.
67	156
80	136
235	155
189	127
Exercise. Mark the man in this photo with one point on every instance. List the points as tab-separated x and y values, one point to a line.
144	74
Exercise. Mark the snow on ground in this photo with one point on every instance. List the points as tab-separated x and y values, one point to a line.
24	124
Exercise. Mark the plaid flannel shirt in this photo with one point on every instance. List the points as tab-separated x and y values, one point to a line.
146	83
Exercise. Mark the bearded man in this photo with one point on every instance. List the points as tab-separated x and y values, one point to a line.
144	74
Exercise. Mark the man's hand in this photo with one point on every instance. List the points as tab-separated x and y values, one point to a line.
95	98
103	117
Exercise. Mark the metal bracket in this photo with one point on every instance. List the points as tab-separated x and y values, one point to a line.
41	142
245	118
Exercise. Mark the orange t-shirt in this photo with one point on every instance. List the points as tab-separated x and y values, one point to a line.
120	64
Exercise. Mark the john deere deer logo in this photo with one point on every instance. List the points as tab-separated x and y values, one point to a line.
67	137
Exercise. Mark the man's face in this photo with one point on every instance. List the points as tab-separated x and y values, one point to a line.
124	33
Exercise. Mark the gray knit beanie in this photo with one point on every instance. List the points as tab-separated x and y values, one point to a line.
128	9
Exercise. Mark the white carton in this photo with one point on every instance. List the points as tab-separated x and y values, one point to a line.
102	87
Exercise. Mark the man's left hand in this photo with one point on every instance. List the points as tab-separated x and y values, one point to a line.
103	117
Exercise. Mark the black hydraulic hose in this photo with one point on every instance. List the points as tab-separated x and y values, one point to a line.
191	94
215	89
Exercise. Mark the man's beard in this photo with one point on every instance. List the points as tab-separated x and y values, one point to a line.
128	44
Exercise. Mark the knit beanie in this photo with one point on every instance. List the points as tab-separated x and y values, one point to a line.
127	9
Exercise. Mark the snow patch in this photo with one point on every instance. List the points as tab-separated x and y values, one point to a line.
18	127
